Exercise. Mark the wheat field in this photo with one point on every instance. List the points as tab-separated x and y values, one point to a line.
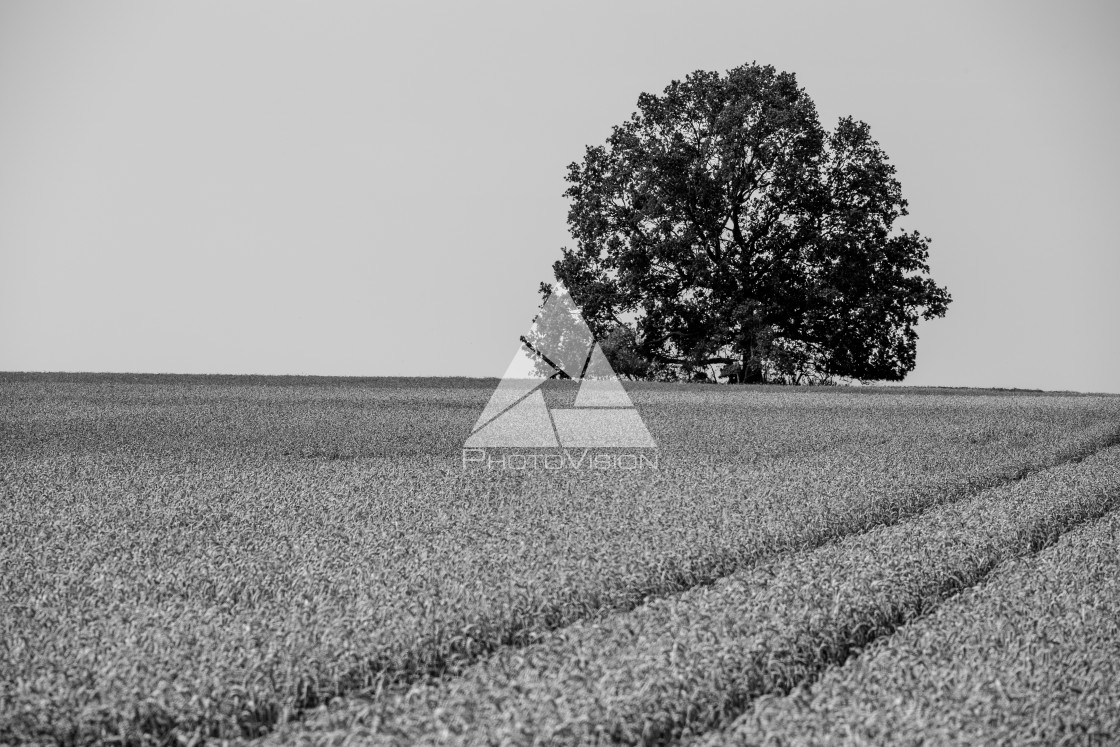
189	559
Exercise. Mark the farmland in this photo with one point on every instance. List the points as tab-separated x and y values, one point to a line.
302	559
1031	656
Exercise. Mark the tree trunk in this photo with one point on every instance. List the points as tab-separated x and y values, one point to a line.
752	364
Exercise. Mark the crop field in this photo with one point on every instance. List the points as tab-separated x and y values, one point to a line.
299	560
1030	657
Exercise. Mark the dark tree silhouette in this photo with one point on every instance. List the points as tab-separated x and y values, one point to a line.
721	224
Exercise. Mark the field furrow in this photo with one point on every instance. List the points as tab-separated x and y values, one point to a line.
188	560
682	665
1029	657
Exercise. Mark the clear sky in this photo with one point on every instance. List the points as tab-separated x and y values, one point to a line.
362	188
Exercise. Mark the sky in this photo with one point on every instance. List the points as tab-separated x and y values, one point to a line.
363	189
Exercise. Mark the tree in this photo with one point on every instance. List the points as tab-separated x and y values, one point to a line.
722	224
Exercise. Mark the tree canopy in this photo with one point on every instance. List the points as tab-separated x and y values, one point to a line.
721	224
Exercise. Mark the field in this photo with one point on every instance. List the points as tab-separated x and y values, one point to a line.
189	559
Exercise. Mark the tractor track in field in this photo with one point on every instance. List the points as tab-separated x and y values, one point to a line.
889	626
218	592
398	680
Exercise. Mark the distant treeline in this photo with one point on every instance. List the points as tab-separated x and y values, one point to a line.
456	382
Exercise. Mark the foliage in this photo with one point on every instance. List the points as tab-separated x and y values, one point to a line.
721	223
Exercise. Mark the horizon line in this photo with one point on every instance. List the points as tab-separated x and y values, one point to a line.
8	376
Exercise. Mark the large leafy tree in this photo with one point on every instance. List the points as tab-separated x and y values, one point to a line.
721	224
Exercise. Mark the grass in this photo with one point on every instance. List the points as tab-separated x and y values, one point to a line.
210	558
